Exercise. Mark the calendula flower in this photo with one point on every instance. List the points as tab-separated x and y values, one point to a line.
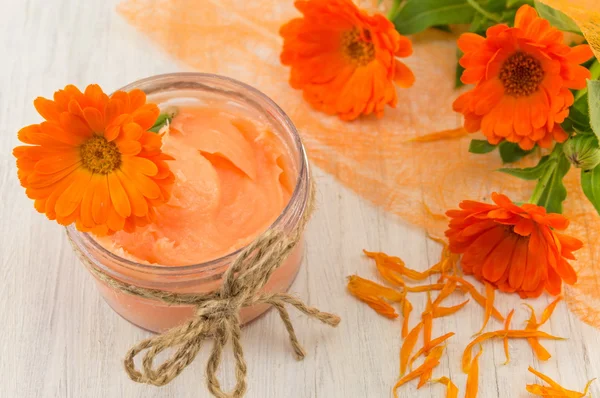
93	161
515	248
522	77
344	59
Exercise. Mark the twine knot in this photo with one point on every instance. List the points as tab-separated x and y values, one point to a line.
217	313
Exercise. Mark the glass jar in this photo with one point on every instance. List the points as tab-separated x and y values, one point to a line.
154	315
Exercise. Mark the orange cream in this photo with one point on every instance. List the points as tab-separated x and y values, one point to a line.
240	169
233	179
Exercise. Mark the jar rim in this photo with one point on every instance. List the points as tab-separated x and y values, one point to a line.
276	112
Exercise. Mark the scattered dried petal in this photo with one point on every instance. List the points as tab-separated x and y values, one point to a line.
374	294
451	389
406	310
473	377
476	295
540	352
441	135
431	361
555	389
507	327
432	344
548	311
408	345
489	304
448	289
427	319
439	312
514	334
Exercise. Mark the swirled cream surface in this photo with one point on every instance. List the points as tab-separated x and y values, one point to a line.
233	179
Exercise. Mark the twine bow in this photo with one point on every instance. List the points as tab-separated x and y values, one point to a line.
217	313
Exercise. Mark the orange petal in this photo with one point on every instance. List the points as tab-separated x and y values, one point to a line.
403	76
94	119
406	310
139	205
489	304
101	201
146	115
47	109
470	42
130	148
408	345
70	199
118	196
451	389
86	213
137	98
473	377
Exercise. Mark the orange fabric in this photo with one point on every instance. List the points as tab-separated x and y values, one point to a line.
93	161
416	181
509	104
343	59
514	248
586	13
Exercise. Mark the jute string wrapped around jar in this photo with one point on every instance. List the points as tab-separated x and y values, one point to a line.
217	313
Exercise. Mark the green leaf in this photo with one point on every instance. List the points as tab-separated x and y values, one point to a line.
511	152
162	120
481	146
530	173
518	3
459	70
485	12
417	15
556	18
590	182
594	105
579	113
550	191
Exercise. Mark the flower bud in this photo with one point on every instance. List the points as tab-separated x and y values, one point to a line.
583	151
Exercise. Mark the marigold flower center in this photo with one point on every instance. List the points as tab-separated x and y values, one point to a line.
358	48
100	156
521	74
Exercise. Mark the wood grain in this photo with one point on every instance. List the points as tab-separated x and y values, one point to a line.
59	338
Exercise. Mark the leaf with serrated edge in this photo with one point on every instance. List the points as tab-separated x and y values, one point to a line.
594	104
590	183
529	173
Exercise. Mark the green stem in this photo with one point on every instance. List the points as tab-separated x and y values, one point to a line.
541	185
543	182
484	12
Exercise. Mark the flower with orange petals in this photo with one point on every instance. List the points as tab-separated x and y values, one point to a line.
522	77
93	161
515	248
344	59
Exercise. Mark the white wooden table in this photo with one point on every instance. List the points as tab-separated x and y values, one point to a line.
59	338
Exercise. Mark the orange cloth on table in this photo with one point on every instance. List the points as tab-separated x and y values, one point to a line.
417	181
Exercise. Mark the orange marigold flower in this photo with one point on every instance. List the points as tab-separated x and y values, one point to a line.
344	59
93	161
522	76
515	248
